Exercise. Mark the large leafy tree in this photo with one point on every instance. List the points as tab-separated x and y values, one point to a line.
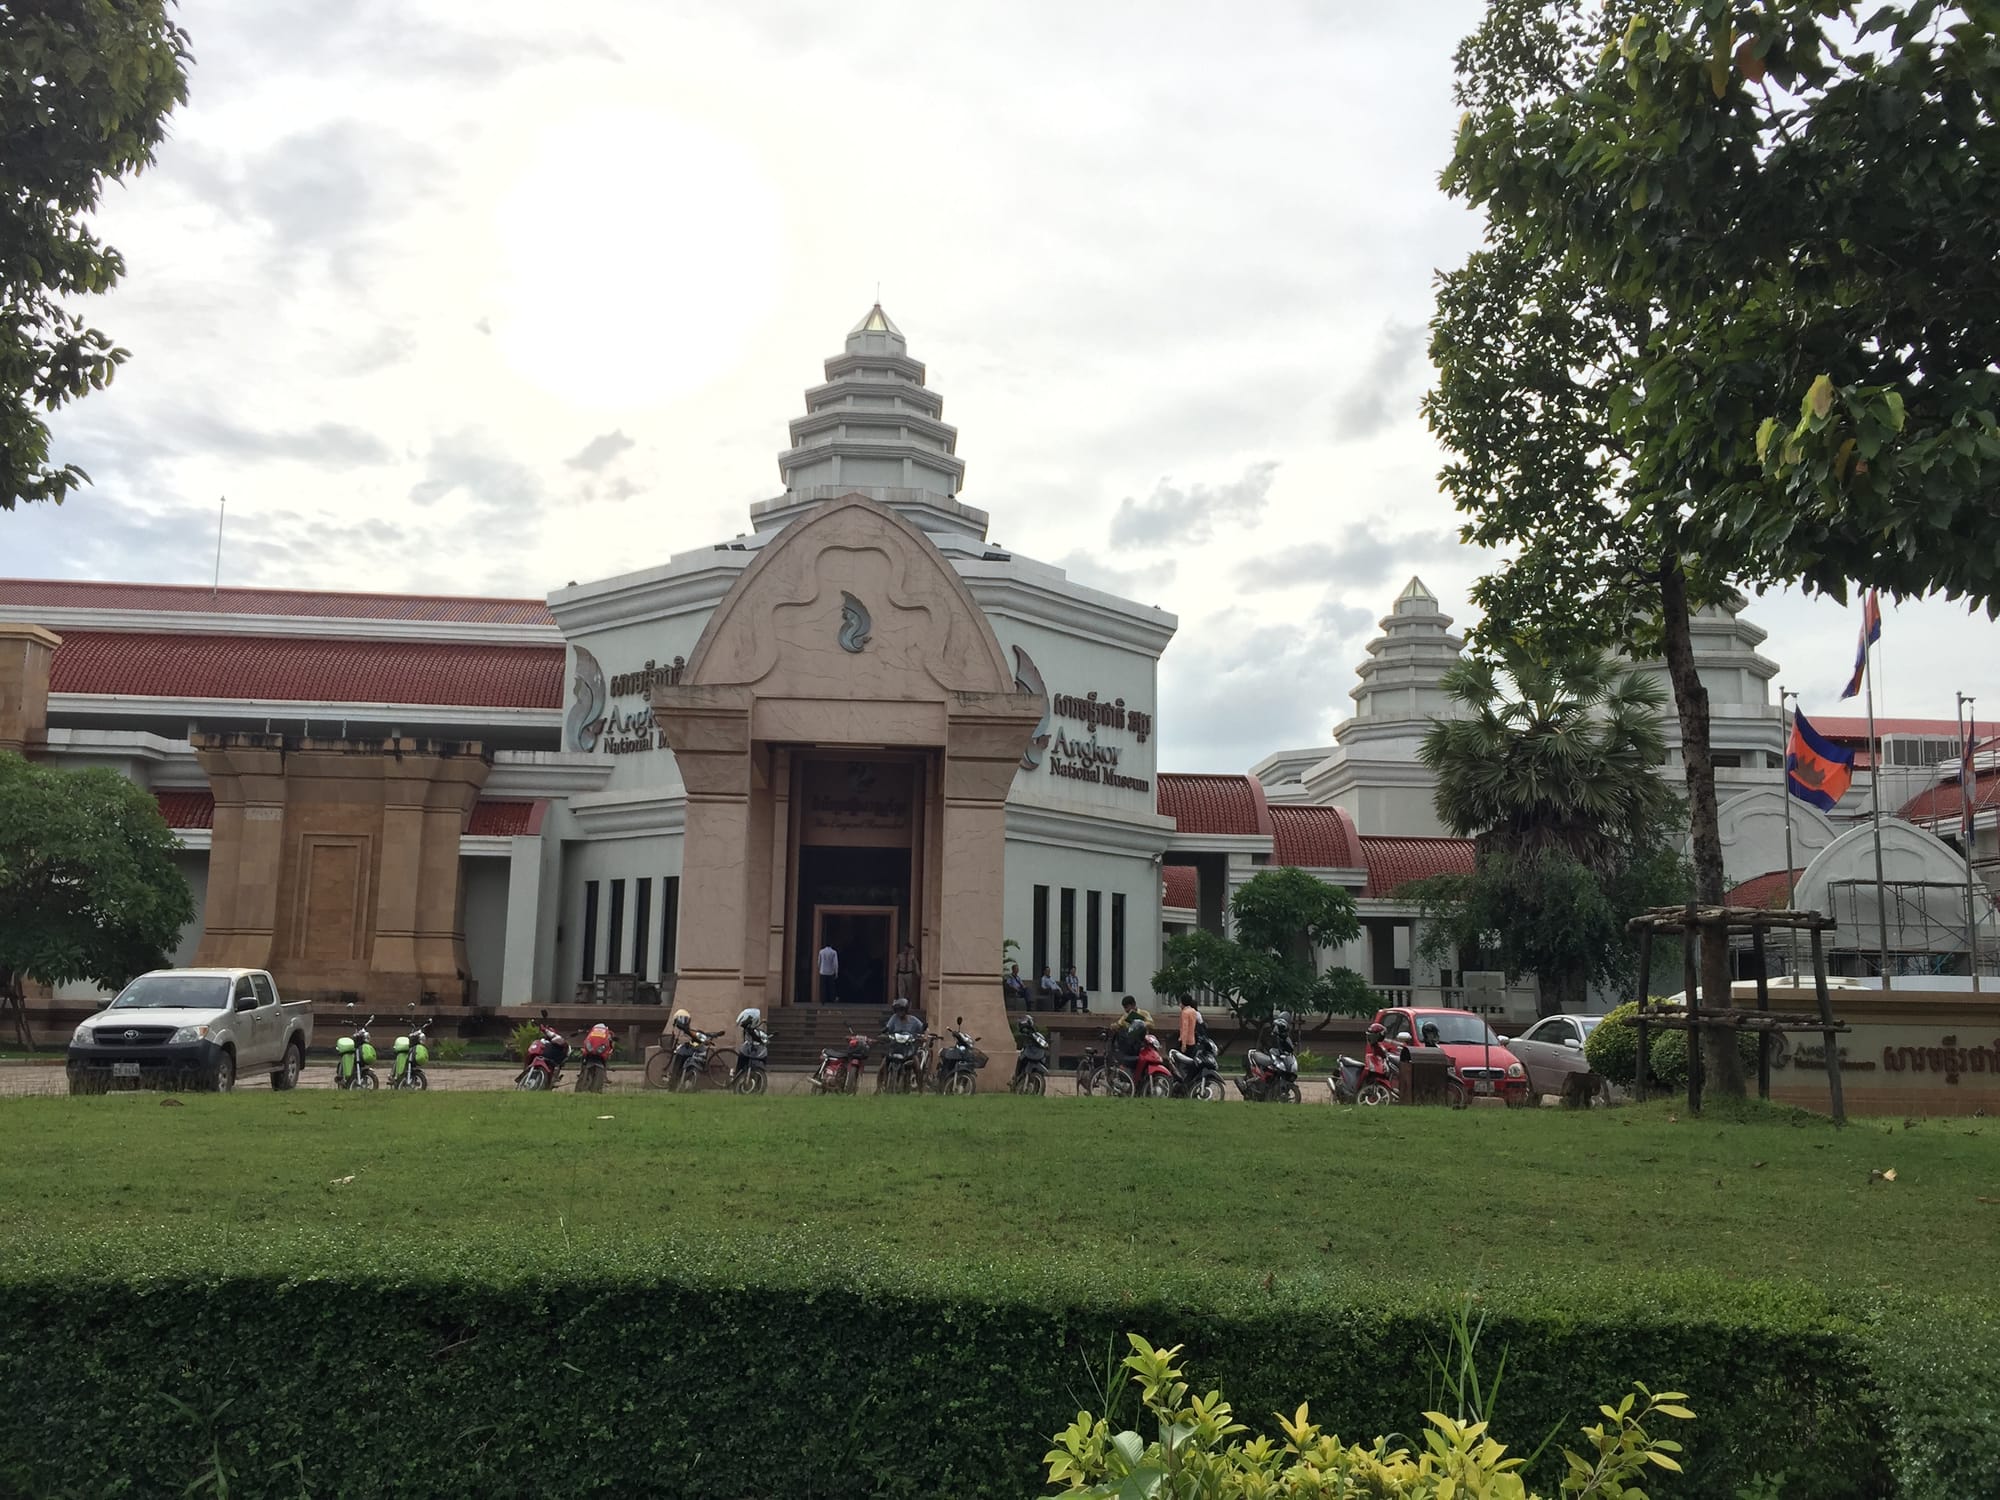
1696	211
85	90
1281	920
1551	768
88	886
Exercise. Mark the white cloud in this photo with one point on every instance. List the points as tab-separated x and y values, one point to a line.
404	248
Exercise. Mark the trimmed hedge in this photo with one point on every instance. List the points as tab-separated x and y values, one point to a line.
829	1376
1612	1050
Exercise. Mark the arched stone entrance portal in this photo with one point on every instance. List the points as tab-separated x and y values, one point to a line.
847	730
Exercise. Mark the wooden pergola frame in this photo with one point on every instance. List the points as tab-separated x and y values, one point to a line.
1721	923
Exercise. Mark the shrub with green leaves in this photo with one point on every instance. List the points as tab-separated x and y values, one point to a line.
1613	1050
1200	1453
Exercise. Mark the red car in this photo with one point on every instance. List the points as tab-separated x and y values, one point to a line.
1486	1068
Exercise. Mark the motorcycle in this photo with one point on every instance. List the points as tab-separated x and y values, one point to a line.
692	1057
406	1070
1272	1076
1377	1078
351	1058
840	1072
1198	1074
753	1053
902	1070
959	1064
598	1044
546	1056
1031	1068
1151	1077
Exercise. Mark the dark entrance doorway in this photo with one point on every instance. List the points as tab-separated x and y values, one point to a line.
865	939
856	823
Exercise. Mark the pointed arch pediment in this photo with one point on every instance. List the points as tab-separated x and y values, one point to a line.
850	602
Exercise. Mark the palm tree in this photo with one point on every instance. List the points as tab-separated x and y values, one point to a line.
1553	772
1569	762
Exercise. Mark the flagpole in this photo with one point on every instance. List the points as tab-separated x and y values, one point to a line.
1968	825
1875	794
1785	713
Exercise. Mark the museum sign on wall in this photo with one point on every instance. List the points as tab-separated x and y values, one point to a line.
1085	753
603	713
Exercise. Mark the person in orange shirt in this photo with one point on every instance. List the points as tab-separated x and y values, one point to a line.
1190	1019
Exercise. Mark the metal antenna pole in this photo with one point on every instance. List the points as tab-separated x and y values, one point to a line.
1968	795
222	512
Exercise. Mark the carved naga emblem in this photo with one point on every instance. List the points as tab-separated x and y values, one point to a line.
585	721
854	624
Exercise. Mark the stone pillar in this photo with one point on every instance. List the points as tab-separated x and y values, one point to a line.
982	752
524	899
246	774
26	654
778	966
708	729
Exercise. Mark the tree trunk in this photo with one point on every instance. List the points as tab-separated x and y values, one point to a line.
1721	1065
14	1000
1566	990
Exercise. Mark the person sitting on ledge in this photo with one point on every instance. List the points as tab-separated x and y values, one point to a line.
1014	987
1074	997
1050	990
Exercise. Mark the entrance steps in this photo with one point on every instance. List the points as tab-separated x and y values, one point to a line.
800	1032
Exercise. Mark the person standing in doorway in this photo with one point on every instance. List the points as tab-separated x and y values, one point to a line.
909	977
829	975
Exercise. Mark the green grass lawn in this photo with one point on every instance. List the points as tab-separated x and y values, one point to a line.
1135	1194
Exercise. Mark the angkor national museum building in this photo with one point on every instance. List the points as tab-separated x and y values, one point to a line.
860	725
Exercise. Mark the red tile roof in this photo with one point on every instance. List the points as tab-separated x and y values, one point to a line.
1766	891
1177	885
1316	838
307	670
503	819
1946	803
26	594
1839	728
187	809
1213	804
1394	862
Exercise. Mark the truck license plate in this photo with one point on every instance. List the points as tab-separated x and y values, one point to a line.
124	1070
1482	1085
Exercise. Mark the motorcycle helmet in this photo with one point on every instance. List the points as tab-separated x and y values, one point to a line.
682	1020
747	1017
1375	1031
899	1003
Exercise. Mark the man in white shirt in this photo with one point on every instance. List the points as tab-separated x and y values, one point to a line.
829	975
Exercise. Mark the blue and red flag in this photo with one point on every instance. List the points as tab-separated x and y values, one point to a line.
1816	770
1871	632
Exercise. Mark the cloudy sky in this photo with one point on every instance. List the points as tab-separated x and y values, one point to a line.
485	298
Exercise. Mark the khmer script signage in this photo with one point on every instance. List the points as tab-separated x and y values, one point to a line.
1068	754
597	721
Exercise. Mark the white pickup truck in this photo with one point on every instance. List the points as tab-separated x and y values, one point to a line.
194	1028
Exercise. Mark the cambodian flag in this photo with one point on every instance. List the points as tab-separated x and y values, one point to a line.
1816	770
1871	632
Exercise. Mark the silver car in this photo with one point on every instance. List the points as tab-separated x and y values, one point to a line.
1552	1049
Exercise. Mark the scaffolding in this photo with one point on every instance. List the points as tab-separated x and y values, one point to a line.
1921	923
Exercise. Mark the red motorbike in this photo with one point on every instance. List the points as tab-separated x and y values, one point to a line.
546	1056
1154	1079
840	1072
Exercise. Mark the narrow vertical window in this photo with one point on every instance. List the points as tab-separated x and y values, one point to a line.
1093	935
670	926
1041	933
1118	941
614	946
642	925
590	929
1068	929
